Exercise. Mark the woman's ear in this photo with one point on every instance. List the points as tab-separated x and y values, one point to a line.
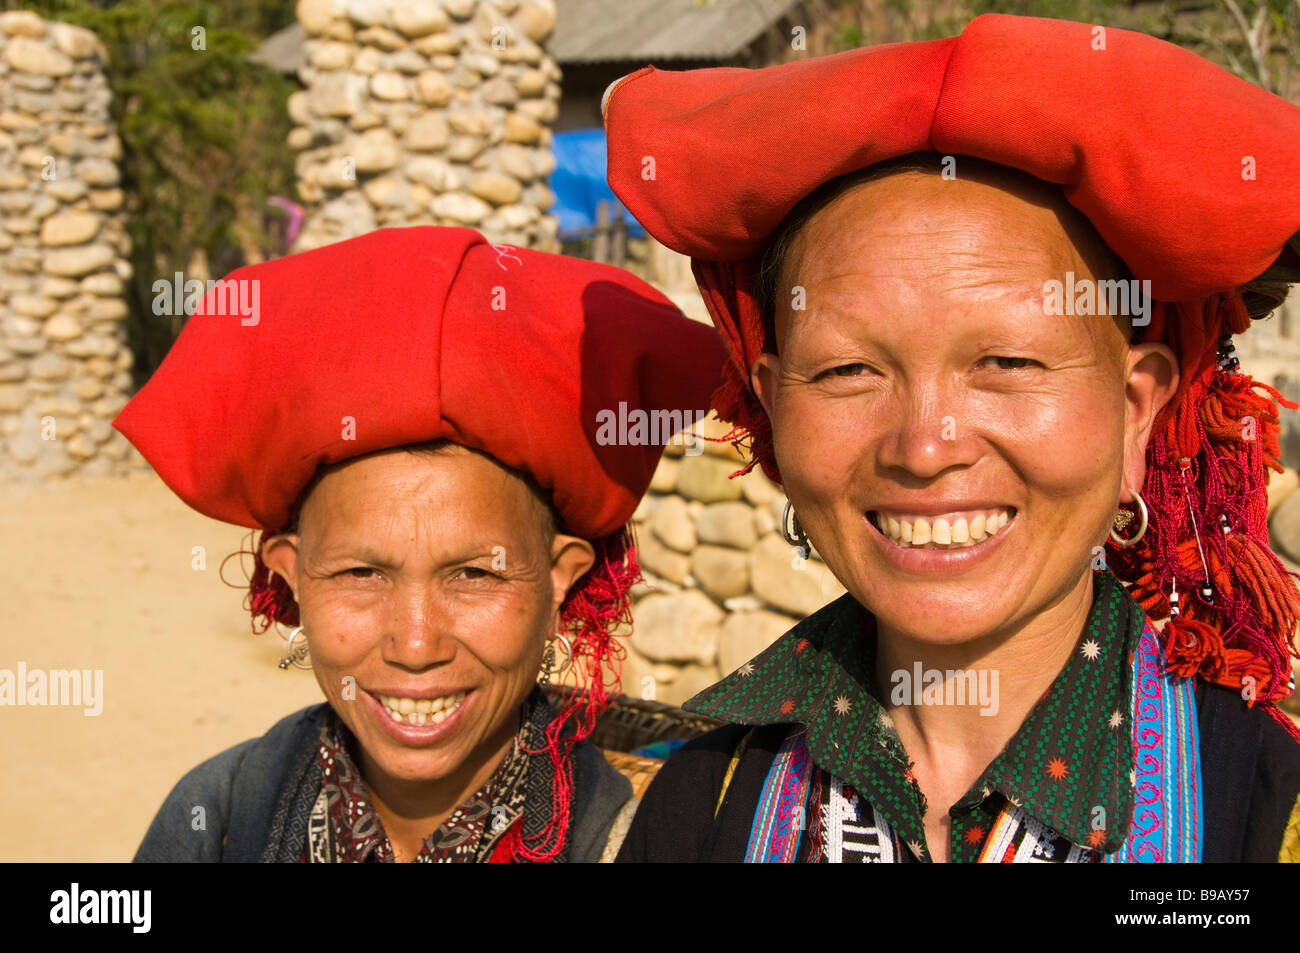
280	555
571	557
763	377
1151	382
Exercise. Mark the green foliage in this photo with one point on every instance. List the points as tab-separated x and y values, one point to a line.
203	131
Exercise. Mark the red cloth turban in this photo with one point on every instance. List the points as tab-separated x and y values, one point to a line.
1190	174
411	334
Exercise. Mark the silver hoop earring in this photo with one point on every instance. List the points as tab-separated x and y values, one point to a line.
1124	517
294	655
791	530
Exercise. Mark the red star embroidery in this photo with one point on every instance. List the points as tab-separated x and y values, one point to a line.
975	836
1057	769
802	644
787	706
1096	838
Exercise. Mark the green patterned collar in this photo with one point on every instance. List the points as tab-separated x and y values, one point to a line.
1069	765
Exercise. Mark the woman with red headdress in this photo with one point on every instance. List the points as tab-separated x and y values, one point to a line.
979	295
411	418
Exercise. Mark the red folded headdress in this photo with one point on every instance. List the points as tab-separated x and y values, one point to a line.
408	335
1191	175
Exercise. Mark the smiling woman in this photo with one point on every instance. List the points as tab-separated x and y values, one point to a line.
440	525
1011	490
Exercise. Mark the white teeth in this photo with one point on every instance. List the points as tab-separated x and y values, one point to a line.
938	532
420	711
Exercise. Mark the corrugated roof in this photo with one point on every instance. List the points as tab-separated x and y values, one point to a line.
602	31
595	31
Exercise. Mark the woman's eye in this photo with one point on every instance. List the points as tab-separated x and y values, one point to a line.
359	572
844	370
1011	363
473	572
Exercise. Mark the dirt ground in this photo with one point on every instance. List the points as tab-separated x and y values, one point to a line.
100	574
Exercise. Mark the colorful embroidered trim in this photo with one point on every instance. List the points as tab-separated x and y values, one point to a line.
780	816
1167	816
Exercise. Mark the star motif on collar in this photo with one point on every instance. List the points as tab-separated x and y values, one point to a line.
745	670
1015	801
917	850
1116	719
985	792
1133	778
1090	649
842	705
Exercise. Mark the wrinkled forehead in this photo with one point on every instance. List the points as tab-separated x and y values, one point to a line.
916	241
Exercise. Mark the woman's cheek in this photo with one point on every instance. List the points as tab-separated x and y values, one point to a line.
1070	444
339	630
818	440
500	630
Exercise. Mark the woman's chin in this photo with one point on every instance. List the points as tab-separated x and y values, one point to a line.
951	614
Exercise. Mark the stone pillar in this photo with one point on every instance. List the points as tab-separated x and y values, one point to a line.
64	361
426	112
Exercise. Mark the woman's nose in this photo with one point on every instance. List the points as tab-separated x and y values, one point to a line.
420	630
924	433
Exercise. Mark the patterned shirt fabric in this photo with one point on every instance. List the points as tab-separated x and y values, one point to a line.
1061	789
344	827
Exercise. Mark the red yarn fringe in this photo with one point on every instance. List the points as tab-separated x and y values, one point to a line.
1207	475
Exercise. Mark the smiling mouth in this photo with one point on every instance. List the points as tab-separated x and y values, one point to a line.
420	711
954	531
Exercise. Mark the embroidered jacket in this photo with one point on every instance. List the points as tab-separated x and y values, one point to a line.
1063	788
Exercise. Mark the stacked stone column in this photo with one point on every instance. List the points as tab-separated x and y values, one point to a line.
426	112
64	361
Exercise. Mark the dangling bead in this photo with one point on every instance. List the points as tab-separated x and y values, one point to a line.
1207	592
1228	356
1224	524
1173	601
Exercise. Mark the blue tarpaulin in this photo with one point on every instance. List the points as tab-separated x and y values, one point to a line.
579	183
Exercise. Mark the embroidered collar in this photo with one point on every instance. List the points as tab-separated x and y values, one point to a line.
1069	765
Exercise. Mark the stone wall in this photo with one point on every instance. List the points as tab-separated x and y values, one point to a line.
426	112
64	361
721	582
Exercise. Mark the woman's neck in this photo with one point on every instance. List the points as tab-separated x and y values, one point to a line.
412	810
950	746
